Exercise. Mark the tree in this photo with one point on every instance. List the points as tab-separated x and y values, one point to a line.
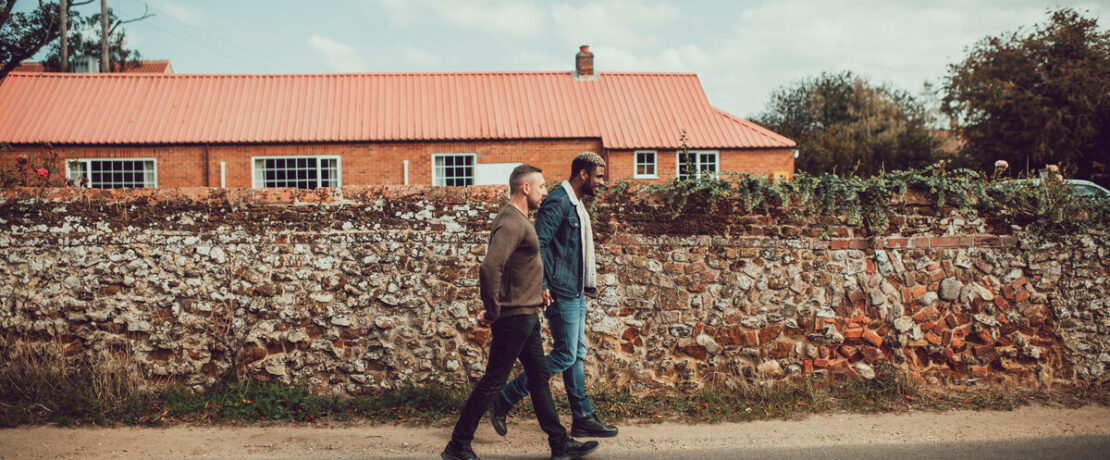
1036	98
84	40
23	34
843	124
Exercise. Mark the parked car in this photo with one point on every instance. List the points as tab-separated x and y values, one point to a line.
1088	188
1081	187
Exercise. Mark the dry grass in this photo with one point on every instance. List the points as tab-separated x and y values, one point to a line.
40	382
44	381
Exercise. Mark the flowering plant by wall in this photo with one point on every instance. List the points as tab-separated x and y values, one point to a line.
31	171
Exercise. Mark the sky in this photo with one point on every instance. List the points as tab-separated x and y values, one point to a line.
741	50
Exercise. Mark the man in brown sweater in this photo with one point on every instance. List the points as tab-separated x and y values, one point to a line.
510	281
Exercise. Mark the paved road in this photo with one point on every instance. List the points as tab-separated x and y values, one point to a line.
1083	447
1069	448
1028	432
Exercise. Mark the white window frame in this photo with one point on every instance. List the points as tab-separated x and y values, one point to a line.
88	168
636	164
255	183
474	167
698	153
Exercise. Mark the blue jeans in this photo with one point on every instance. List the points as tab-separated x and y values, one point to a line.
567	319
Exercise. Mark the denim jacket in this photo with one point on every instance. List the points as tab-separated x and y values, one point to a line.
558	229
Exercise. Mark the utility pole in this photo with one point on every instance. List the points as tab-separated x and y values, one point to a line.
105	64
64	5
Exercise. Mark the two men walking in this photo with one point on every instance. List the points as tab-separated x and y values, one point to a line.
529	269
567	249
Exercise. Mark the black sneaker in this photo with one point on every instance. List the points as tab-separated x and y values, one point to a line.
498	410
573	449
591	427
458	453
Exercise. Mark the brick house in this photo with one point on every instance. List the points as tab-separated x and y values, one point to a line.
326	130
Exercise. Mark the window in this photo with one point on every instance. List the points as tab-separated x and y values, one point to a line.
113	172
695	165
453	170
493	173
645	165
297	172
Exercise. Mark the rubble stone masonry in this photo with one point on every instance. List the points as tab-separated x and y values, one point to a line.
371	287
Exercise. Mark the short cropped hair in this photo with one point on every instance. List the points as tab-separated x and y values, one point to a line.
585	160
518	175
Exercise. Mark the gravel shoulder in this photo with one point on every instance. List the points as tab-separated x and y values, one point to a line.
525	440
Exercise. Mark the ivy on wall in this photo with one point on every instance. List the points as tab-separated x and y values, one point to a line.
1045	209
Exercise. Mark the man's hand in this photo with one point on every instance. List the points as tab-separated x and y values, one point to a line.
482	321
547	299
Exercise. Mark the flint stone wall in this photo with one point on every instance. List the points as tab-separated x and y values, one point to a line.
370	287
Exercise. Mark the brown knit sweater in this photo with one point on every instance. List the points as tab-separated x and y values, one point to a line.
511	276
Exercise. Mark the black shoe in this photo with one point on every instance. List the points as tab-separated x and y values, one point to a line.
498	410
573	449
458	453
591	427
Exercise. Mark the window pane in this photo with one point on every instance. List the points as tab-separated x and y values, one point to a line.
687	167
114	173
77	171
299	172
645	163
453	170
709	162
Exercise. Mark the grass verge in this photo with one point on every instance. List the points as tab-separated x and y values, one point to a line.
73	398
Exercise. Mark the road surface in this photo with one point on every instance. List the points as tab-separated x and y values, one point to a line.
1028	432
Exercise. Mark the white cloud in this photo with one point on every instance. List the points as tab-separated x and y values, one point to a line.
340	57
421	59
493	17
902	43
398	12
619	23
539	60
177	11
684	59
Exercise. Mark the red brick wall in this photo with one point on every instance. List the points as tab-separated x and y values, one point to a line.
756	162
178	165
381	162
362	163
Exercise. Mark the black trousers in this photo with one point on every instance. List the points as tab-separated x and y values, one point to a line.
512	337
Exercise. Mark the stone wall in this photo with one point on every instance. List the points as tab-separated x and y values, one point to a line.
370	287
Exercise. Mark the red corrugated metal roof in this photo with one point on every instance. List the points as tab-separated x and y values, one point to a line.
30	67
624	110
148	67
143	67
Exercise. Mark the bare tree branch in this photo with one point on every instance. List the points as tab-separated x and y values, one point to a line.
120	22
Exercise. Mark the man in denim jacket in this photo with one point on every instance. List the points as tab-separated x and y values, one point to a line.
566	247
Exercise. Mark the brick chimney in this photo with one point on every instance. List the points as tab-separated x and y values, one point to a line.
584	63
